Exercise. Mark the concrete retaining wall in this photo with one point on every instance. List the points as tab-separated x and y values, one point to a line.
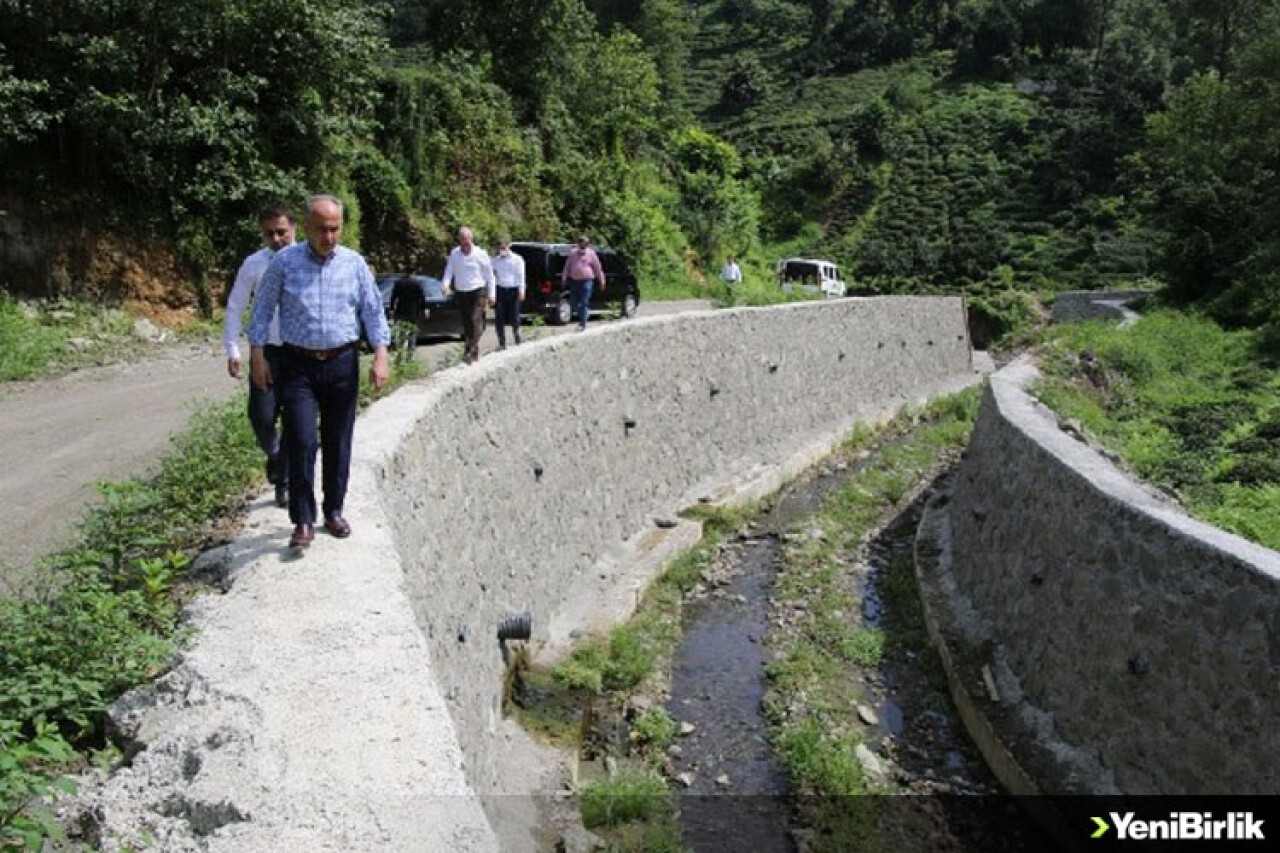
709	397
1134	649
350	700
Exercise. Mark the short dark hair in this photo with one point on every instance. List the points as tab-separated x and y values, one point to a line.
275	211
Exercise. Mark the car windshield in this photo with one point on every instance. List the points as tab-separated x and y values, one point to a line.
799	271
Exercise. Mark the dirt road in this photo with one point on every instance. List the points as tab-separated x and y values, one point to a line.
60	437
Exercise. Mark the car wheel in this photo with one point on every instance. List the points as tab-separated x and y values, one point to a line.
629	306
564	312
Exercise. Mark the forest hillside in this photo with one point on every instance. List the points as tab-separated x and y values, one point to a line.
993	147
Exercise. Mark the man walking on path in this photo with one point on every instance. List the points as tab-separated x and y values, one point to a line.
471	274
581	269
508	272
324	292
731	273
278	226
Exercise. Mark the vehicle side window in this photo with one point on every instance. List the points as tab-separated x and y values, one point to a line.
612	264
555	264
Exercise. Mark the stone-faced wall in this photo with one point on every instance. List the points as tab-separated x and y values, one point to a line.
521	475
1135	649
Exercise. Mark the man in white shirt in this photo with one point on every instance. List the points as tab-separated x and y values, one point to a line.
470	274
508	272
731	273
278	229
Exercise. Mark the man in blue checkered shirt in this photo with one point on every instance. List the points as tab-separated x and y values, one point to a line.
324	292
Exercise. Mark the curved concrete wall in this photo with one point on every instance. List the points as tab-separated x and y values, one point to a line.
350	700
1133	648
623	423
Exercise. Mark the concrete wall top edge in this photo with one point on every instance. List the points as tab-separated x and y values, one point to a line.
1033	419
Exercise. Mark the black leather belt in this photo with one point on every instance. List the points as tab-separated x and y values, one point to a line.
320	354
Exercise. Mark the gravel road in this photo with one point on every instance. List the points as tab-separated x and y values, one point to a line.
59	437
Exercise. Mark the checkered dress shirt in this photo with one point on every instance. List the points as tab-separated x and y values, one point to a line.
322	301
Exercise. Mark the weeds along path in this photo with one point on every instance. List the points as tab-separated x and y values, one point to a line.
60	437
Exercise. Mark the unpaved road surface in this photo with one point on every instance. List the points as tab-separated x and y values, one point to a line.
62	436
59	437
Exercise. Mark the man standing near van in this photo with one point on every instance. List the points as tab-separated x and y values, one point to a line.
508	272
471	275
265	404
731	273
581	270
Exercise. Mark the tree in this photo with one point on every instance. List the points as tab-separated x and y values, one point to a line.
184	116
1213	161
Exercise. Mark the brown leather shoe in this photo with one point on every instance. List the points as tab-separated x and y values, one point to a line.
302	536
337	525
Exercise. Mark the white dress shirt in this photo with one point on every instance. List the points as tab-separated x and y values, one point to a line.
508	269
469	271
241	292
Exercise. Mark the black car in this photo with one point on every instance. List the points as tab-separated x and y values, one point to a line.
545	295
420	300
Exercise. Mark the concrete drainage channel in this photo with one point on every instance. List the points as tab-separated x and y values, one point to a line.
731	788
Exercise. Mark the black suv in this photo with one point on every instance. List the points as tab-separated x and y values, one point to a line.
544	294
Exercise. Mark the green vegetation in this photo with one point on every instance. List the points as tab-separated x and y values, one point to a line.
999	149
51	338
1187	405
105	619
813	688
631	795
1005	149
646	642
631	808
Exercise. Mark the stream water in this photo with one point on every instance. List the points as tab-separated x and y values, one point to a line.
733	792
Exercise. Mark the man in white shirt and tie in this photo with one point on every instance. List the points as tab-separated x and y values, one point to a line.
470	274
508	272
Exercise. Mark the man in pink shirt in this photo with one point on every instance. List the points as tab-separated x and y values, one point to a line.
581	270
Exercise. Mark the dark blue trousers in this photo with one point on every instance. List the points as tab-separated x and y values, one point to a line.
580	299
507	313
265	408
327	390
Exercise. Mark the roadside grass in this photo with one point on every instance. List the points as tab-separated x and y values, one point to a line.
1187	406
104	618
40	339
666	290
811	703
